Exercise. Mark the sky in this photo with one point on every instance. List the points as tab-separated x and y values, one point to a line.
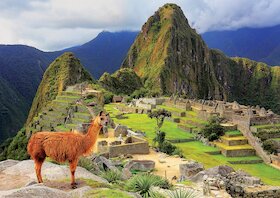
57	24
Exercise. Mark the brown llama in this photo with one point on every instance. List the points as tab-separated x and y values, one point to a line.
65	146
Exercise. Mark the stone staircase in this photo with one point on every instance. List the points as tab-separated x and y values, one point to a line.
235	145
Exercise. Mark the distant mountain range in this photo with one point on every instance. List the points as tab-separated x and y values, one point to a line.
260	44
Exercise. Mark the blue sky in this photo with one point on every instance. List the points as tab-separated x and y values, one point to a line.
57	24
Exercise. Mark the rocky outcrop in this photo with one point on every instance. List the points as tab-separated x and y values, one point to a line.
18	179
19	173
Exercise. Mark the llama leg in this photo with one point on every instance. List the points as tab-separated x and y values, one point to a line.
38	167
73	166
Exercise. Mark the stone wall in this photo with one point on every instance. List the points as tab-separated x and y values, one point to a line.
238	153
262	192
138	146
254	142
275	160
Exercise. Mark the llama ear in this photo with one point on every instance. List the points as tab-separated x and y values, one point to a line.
100	113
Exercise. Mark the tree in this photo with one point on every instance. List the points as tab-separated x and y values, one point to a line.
159	115
213	130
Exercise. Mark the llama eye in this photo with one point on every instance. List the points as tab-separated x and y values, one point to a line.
101	118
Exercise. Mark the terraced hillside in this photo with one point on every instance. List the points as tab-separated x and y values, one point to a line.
67	112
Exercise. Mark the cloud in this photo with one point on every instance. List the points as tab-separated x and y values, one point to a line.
56	24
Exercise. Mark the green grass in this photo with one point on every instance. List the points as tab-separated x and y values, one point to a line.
62	128
196	150
108	193
194	119
236	132
168	108
237	147
234	138
267	126
144	123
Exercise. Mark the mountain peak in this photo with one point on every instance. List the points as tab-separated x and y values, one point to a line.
66	70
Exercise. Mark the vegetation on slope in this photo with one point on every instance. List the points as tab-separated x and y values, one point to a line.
123	81
66	70
13	110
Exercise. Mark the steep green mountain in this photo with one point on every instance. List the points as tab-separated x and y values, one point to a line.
171	57
123	81
64	71
13	110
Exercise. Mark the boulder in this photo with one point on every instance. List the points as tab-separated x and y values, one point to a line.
104	163
7	163
120	129
79	192
126	174
141	165
216	171
37	190
50	171
190	169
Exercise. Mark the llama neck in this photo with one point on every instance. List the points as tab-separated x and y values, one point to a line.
91	137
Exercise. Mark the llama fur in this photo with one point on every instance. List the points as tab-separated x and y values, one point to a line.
64	146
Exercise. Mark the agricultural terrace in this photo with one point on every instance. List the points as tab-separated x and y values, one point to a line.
195	150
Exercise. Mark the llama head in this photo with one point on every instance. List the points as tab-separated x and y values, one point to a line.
102	118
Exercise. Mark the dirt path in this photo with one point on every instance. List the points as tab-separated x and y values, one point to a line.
165	166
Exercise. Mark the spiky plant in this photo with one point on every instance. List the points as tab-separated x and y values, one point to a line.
112	176
142	184
179	193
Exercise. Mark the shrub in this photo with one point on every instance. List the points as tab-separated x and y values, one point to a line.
112	176
142	184
108	97
167	147
86	163
271	146
213	130
139	93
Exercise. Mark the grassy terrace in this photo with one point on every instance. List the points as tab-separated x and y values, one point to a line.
233	132
266	126
237	147
196	150
144	123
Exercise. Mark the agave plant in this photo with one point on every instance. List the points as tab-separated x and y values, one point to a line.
180	193
142	184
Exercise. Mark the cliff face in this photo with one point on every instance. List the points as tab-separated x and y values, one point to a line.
64	71
171	57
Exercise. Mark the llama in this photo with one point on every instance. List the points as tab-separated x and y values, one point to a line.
65	146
